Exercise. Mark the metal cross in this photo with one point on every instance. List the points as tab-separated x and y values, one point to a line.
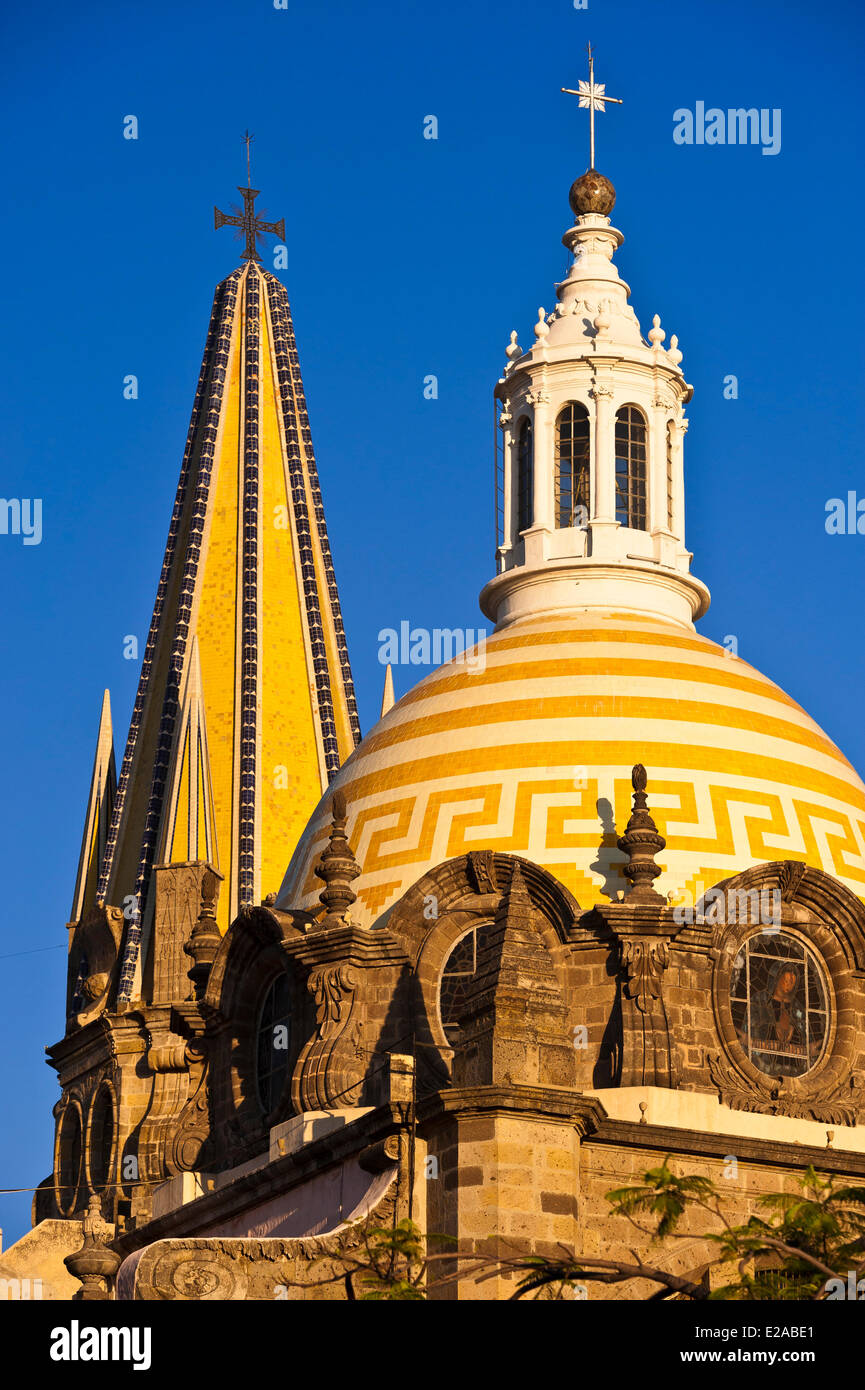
593	95
253	227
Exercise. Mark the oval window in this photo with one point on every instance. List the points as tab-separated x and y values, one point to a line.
69	1159
101	1145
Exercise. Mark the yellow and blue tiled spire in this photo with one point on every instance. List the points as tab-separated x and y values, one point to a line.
245	707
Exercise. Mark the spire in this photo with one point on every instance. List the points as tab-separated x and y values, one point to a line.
246	670
641	842
592	429
189	827
387	698
100	803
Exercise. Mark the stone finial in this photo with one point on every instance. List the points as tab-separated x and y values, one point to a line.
542	328
205	939
641	842
338	868
602	318
674	352
656	333
513	349
94	1265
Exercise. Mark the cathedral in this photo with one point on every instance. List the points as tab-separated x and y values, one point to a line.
589	898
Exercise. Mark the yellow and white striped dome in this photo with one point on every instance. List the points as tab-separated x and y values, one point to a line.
531	753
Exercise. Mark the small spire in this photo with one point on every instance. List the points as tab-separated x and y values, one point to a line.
100	805
189	829
338	868
518	893
387	699
641	842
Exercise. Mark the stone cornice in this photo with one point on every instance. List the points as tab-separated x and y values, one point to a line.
637	572
351	944
668	1139
586	1113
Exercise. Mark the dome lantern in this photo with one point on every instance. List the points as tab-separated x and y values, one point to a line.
592	433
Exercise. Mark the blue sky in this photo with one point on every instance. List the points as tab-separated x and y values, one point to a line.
406	257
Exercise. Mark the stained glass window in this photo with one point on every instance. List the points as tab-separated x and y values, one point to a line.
779	1003
274	1036
572	466
631	468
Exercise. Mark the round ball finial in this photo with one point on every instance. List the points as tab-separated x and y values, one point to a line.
591	192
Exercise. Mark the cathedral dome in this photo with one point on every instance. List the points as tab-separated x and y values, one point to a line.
527	746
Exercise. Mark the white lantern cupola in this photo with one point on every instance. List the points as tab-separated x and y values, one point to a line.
590	468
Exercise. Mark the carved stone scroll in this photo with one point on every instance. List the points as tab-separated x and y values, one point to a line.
647	1053
328	1071
838	1102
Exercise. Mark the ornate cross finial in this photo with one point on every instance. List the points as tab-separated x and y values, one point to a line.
593	95
641	842
252	226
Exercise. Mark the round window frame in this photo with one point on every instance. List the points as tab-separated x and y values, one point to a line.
835	1063
443	935
810	955
483	925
